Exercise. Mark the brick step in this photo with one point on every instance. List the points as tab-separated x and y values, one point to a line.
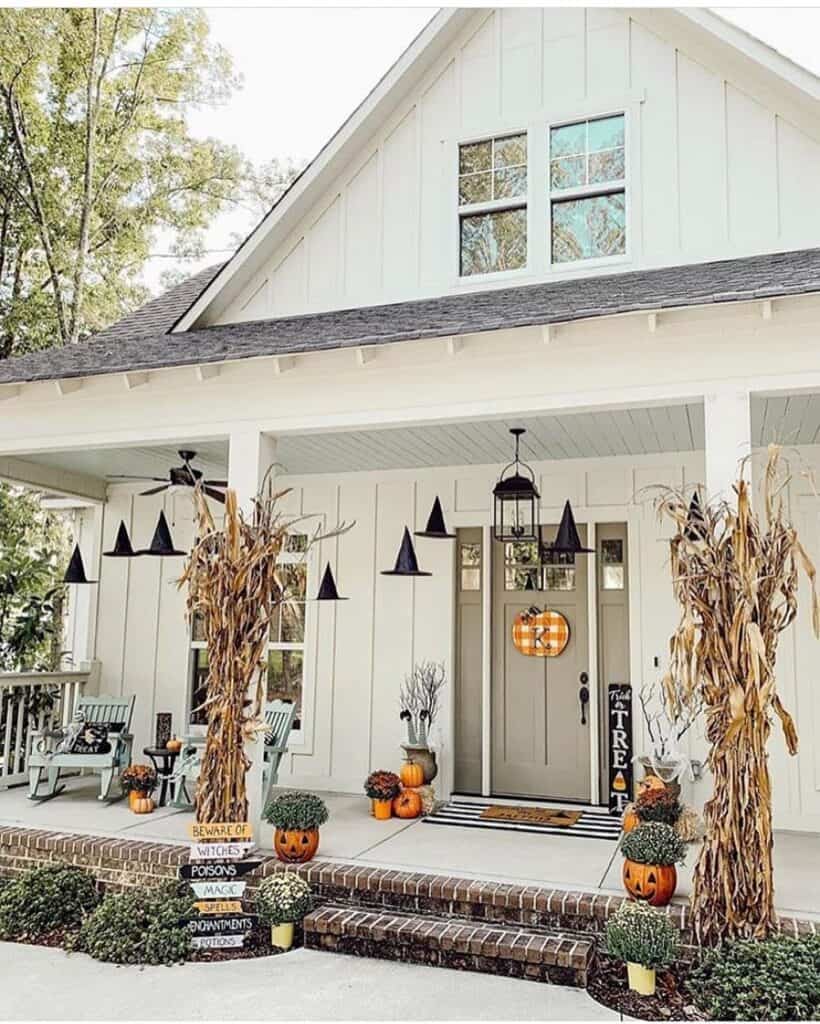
515	952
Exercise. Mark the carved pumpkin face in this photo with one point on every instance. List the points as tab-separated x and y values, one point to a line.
295	846
653	883
407	804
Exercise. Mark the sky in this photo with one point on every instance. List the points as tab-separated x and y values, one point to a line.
305	69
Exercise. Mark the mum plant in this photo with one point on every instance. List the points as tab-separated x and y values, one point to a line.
283	898
138	778
654	843
658	805
638	934
381	785
296	811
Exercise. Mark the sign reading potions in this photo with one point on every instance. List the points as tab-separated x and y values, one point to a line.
620	746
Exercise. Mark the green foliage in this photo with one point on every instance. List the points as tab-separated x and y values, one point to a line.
381	785
777	979
139	927
658	805
283	898
654	843
638	934
45	899
296	811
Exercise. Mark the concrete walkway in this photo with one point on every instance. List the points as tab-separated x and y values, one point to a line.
37	983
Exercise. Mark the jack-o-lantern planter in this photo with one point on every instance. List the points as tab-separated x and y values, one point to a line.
653	883
651	851
296	818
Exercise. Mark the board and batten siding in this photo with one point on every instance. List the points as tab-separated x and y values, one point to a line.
387	229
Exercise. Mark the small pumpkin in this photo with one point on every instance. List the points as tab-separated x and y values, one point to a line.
630	819
142	805
653	883
650	782
411	775
174	745
407	804
297	845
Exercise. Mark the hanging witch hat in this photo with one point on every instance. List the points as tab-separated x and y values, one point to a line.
162	544
406	562
567	540
695	521
327	588
75	573
122	545
435	527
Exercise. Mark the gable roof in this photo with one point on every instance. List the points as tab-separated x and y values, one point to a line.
143	347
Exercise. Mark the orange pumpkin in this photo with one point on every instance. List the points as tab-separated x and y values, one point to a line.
174	745
295	846
142	805
631	819
653	883
411	775
407	804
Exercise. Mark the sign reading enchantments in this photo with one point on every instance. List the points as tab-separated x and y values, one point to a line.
620	746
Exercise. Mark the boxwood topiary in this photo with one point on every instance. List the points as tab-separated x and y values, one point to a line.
139	927
46	899
774	979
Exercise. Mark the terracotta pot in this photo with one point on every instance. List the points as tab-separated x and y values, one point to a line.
424	757
382	809
653	883
641	979
296	846
281	935
133	796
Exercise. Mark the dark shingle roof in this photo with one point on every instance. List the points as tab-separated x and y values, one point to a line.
141	341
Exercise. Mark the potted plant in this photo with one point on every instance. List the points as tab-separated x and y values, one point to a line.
644	939
652	850
382	788
420	699
281	901
653	805
665	729
139	782
296	818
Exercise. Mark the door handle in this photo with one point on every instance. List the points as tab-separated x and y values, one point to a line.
583	696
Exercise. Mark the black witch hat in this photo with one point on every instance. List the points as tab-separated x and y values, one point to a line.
406	562
122	545
435	527
75	573
567	540
162	544
695	521
327	588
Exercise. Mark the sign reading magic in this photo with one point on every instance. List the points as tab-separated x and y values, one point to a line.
620	746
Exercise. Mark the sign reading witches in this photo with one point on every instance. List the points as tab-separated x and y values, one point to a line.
620	746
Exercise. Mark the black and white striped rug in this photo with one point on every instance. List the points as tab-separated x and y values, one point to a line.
594	823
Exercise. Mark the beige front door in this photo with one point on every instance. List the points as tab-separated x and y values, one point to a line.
540	745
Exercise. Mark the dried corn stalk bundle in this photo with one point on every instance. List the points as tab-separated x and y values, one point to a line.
234	586
735	576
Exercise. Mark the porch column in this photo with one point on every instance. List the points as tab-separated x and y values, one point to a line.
728	440
250	455
82	618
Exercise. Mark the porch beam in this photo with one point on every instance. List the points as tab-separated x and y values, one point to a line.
454	346
652	322
364	355
281	364
68	385
728	432
134	380
767	309
207	371
52	479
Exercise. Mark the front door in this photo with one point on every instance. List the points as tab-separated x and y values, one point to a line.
540	745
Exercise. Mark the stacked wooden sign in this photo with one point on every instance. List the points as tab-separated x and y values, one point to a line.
215	871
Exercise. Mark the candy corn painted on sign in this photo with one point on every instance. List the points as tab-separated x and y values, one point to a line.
620	746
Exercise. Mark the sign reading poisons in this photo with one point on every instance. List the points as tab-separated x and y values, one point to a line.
620	746
217	869
218	890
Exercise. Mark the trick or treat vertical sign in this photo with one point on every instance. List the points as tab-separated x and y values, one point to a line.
620	746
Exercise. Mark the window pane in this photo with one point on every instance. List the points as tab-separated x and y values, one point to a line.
296	543
493	241
521	552
470	554
569	172
612	552
285	677
559	577
516	578
568	140
471	579
199	687
606	133
293	579
293	623
612	577
475	188
586	228
607	165
511	151
511	183
198	627
477	156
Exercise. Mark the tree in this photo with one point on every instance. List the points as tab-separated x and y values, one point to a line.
96	157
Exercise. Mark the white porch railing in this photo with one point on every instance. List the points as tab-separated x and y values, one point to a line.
31	701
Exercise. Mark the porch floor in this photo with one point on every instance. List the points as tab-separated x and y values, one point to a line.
352	834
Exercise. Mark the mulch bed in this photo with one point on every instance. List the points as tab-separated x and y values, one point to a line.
608	985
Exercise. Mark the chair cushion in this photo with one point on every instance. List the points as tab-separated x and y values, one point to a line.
92	739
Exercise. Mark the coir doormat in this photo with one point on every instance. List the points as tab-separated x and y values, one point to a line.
531	815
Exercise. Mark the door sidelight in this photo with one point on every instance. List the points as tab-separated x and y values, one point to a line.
583	696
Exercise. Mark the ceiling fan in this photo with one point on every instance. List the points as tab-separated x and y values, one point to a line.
181	476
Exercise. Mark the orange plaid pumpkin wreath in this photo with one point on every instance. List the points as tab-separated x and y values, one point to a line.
541	634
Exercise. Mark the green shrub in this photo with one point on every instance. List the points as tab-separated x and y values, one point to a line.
44	899
776	979
296	811
654	843
283	898
638	934
139	927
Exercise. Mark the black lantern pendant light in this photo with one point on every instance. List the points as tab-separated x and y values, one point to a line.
567	540
516	500
327	588
406	562
695	521
162	544
75	573
122	545
435	528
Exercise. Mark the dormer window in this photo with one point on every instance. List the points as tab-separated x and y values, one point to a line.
587	189
492	200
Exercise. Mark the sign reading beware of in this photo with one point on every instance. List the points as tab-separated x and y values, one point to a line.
234	925
620	746
220	830
217	941
220	851
218	890
219	906
217	869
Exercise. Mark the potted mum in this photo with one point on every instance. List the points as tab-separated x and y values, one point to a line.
382	788
653	805
281	901
644	939
139	781
296	818
652	850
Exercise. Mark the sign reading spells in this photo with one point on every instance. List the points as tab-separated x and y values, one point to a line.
620	746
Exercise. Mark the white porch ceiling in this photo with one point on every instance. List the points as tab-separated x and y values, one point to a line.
212	457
